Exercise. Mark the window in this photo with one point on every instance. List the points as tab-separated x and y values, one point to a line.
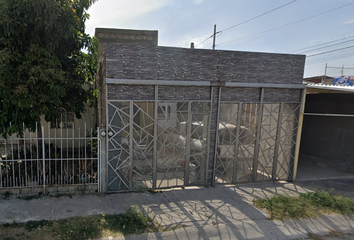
64	119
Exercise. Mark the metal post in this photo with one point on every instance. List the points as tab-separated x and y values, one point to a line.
238	127
324	76
216	140
206	170
49	156
298	135
131	132
104	149
258	136
99	152
277	142
154	165
43	156
188	145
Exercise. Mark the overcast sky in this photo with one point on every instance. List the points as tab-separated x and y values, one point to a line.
283	26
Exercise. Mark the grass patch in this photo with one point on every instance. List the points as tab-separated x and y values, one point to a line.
314	236
91	227
306	205
336	234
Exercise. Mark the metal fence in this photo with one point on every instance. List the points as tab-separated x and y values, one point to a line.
50	157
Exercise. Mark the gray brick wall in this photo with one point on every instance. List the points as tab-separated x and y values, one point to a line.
184	93
240	94
168	63
282	95
130	92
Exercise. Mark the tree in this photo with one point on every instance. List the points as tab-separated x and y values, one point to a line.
47	61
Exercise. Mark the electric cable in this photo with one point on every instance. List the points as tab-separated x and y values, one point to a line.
326	46
288	24
247	21
219	32
258	16
310	61
334	50
320	44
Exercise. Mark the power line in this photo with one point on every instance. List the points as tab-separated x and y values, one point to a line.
204	41
258	16
343	66
347	54
247	21
208	38
320	44
335	50
285	25
327	46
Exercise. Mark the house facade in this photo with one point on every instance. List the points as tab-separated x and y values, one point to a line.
174	117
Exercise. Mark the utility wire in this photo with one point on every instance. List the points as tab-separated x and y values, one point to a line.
328	59
337	69
247	21
208	38
335	50
320	44
258	16
272	29
346	54
204	41
327	46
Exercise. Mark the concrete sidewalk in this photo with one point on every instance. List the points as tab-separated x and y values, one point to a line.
223	212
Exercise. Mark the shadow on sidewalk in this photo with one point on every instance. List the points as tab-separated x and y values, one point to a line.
227	212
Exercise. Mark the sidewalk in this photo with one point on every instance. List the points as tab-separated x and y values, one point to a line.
223	212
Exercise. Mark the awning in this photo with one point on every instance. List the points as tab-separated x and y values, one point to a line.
323	88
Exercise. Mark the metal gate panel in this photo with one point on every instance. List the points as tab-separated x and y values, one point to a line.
287	136
226	142
255	141
157	144
119	155
171	143
267	142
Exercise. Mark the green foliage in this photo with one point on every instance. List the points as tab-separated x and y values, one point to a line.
331	202
284	207
306	205
92	144
7	194
45	60
32	225
90	227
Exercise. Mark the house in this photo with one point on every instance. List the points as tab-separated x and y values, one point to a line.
177	117
324	79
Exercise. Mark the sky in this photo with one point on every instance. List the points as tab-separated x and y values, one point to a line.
323	30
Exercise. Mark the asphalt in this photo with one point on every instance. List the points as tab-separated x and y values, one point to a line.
222	212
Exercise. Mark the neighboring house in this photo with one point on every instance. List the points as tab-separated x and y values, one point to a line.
66	125
320	79
177	117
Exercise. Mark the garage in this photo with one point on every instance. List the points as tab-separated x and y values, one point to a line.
328	133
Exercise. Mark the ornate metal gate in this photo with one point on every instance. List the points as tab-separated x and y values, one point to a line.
255	141
157	144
